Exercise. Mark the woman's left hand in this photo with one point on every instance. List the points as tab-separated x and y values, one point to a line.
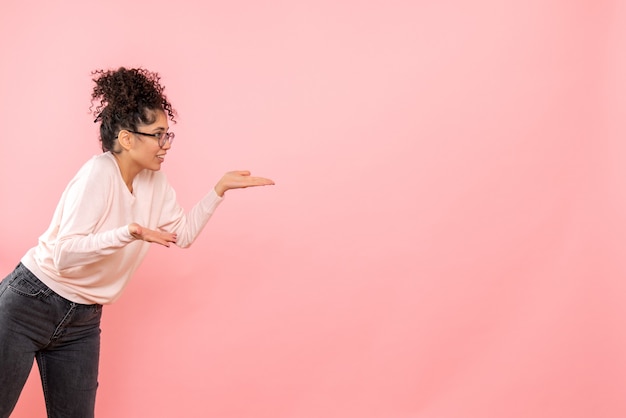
239	180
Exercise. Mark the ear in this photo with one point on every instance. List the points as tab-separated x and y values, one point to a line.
125	139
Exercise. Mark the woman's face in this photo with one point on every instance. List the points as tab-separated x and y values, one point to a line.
146	151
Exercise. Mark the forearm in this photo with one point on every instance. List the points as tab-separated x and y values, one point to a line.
79	250
189	226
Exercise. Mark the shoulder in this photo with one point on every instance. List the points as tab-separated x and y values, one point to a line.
97	169
101	162
104	162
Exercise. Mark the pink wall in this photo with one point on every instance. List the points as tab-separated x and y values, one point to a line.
445	238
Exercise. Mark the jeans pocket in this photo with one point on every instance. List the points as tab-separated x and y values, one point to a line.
27	284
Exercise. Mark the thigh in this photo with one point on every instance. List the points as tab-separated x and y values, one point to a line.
18	343
69	366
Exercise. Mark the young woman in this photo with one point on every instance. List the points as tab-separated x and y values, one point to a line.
111	211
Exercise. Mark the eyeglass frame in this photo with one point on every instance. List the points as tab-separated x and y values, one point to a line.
161	138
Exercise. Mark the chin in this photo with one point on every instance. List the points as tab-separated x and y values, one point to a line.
156	167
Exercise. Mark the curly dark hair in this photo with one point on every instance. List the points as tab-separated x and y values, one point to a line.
125	98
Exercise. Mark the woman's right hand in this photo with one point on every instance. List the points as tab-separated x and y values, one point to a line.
150	235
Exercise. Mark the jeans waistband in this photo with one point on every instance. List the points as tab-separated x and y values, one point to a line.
24	270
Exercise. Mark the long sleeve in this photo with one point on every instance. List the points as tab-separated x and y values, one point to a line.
87	254
90	224
187	226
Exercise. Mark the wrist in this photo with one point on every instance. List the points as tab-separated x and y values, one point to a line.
219	189
133	229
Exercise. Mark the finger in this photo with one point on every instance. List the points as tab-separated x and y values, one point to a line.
167	240
261	181
158	241
167	236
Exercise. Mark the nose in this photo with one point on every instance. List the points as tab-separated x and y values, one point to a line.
167	145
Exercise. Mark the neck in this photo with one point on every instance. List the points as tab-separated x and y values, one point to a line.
127	171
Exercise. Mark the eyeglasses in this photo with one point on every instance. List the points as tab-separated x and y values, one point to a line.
161	138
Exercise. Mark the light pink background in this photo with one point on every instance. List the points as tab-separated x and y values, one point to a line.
446	236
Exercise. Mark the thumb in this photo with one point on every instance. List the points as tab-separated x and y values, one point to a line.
134	229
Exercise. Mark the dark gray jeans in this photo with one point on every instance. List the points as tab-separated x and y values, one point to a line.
63	336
